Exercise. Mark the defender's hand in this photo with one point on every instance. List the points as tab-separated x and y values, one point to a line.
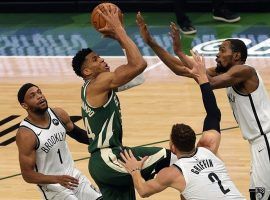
143	28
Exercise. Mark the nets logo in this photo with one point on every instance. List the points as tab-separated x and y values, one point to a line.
210	48
55	122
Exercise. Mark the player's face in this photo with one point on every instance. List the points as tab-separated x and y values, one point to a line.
35	101
96	63
224	57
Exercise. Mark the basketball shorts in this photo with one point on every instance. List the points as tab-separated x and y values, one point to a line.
260	168
84	191
114	182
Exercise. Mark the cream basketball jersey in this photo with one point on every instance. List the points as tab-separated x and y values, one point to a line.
252	111
52	153
206	177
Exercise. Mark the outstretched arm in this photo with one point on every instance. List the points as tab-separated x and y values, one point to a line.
171	61
237	74
167	177
177	47
211	128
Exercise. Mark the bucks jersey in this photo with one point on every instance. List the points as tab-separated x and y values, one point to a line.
252	111
206	177
103	124
52	153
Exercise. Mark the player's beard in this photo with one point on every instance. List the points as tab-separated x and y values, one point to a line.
41	111
220	69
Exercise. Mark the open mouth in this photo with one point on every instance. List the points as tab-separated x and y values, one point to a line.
42	102
107	66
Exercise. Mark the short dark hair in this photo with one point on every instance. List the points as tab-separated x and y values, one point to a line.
22	91
78	60
239	46
183	137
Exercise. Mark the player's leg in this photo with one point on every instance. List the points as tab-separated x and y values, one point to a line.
65	195
260	170
158	158
112	192
57	192
112	179
86	190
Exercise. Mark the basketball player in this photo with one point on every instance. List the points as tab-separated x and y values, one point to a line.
102	115
246	93
44	156
197	167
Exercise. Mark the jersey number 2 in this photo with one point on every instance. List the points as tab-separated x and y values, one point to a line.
213	178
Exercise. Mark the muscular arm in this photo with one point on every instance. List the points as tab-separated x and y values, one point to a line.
26	143
167	177
233	76
211	127
72	130
172	62
169	60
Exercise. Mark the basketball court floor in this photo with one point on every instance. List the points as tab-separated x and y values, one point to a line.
40	51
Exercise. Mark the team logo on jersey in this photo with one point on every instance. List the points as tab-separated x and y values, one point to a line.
259	191
231	98
55	122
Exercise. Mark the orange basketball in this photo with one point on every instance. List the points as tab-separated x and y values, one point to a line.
97	20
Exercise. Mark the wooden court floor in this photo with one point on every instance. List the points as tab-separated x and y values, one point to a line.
148	113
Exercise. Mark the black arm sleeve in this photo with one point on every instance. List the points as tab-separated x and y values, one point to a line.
79	134
213	115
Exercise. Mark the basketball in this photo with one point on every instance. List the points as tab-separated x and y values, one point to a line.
97	20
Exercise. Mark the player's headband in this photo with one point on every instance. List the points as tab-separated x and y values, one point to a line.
22	91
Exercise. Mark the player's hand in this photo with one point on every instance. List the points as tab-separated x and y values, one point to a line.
67	181
198	67
143	29
130	162
113	23
175	35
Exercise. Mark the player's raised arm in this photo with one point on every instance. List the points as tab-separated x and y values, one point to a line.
135	62
211	127
172	62
177	47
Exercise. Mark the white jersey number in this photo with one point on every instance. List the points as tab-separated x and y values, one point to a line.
90	134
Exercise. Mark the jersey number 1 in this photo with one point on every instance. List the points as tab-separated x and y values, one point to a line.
59	154
213	178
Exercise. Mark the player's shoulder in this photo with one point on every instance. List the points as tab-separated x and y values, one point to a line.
242	68
169	174
60	113
25	135
103	77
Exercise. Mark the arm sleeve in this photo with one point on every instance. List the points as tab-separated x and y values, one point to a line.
79	134
213	115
